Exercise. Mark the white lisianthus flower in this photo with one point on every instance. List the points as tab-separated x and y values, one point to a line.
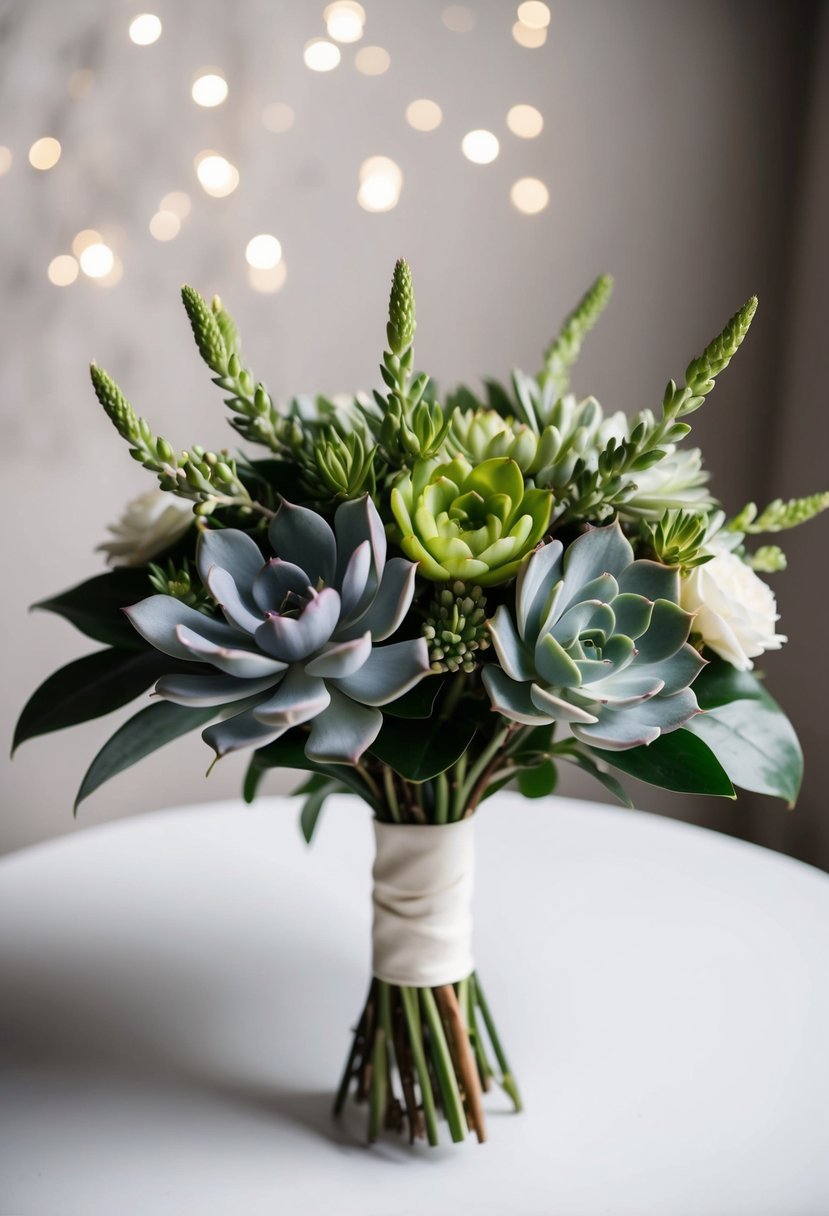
149	525
735	611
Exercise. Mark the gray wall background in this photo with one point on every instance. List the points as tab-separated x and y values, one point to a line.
684	149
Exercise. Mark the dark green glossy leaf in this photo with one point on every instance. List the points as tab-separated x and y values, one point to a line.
289	752
89	688
418	702
420	754
314	802
677	761
748	732
538	781
96	607
606	779
144	733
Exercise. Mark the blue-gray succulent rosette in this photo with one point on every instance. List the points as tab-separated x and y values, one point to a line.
418	599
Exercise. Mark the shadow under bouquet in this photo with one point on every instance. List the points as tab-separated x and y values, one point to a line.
418	603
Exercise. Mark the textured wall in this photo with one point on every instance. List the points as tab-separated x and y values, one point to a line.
671	147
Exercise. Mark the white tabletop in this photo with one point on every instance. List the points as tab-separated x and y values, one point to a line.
177	991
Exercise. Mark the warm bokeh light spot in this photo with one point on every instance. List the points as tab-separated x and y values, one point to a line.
526	35
44	153
529	195
381	180
481	147
263	252
458	18
209	89
269	280
525	121
344	21
145	29
5	159
217	176
178	202
165	225
534	14
63	270
321	55
424	115
372	60
97	260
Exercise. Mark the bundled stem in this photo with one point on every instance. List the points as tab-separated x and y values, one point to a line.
418	1053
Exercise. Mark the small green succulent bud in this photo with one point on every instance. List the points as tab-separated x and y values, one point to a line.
455	628
401	325
177	581
678	539
206	330
116	407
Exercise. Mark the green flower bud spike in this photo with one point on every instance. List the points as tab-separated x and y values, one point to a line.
455	628
402	324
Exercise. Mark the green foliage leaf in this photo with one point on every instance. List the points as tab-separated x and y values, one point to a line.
96	607
289	752
538	781
316	790
604	778
144	733
90	688
747	731
418	702
422	754
678	761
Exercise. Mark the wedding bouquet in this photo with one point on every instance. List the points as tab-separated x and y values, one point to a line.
417	603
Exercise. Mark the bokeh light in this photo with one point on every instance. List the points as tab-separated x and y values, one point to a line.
321	55
529	195
526	35
344	21
458	18
165	225
178	202
209	89
145	29
534	14
85	238
424	115
217	176
97	260
5	159
44	153
269	280
372	60
381	180
278	117
63	270
481	147
525	121
263	252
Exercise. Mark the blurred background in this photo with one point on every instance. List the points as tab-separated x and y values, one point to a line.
681	147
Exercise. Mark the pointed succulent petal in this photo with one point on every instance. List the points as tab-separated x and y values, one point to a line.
294	638
616	731
651	580
632	613
554	665
237	661
678	671
242	730
222	586
512	655
627	688
512	699
298	699
210	690
558	709
302	537
340	658
535	586
158	617
231	550
391	603
353	584
343	731
599	551
355	522
668	630
387	673
276	580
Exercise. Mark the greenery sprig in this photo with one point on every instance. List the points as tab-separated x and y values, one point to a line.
779	516
565	348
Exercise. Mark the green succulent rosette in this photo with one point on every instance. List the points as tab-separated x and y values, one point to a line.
475	524
598	642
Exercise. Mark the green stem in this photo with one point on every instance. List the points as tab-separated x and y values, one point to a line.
450	1094
466	997
410	1011
391	795
478	769
456	691
507	1079
441	798
378	1097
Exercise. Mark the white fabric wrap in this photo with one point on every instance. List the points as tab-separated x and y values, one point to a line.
422	933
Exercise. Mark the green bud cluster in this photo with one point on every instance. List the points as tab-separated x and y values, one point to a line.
455	628
178	581
768	559
678	538
779	516
340	466
207	478
565	348
401	324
